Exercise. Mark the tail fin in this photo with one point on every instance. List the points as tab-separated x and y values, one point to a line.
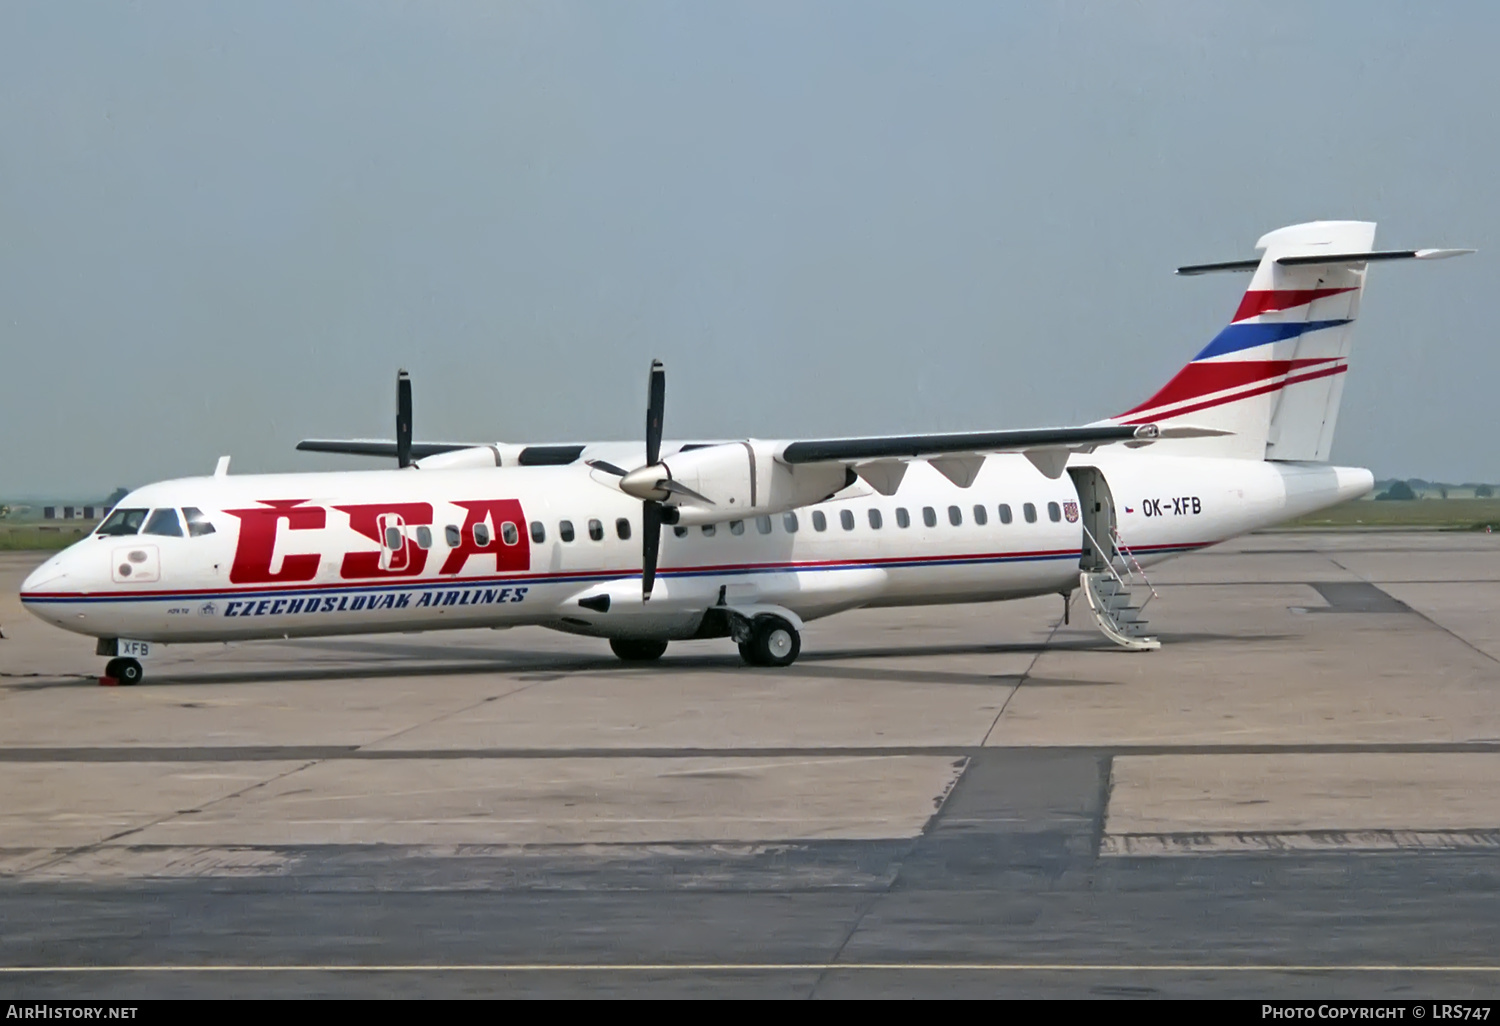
1274	377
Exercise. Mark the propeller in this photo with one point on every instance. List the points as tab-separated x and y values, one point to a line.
652	483
651	509
403	419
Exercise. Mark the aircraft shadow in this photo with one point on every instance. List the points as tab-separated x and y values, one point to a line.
388	660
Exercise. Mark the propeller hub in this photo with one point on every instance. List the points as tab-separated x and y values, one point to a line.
646	483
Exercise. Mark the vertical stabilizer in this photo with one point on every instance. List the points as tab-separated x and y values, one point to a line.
1274	376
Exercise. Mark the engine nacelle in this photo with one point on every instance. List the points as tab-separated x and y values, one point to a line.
462	459
746	479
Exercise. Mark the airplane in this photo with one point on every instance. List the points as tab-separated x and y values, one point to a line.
647	543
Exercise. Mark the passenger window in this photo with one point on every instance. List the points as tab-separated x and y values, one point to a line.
1029	511
981	515
929	516
790	523
538	532
820	522
875	519
955	516
393	539
510	534
482	535
596	530
565	530
123	522
763	525
902	519
452	536
622	529
736	527
708	530
424	537
680	531
846	517
165	523
1005	516
1054	512
197	523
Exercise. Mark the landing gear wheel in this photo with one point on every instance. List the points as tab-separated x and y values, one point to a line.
772	642
126	671
635	650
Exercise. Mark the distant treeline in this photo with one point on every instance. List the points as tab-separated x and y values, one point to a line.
1416	488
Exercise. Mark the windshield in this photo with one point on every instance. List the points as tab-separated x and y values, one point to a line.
197	523
122	521
164	522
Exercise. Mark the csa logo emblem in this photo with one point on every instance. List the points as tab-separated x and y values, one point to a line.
1070	510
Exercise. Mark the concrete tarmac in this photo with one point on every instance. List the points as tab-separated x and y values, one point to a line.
1294	797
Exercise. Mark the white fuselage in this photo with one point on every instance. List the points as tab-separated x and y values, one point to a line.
343	553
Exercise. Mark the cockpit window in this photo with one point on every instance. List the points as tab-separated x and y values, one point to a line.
197	524
123	521
165	523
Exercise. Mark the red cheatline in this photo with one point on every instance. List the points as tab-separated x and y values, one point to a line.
1262	301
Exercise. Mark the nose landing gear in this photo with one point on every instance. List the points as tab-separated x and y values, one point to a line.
123	671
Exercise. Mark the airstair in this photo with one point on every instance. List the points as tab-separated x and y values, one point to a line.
1112	592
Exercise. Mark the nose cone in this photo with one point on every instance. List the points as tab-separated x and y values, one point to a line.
47	577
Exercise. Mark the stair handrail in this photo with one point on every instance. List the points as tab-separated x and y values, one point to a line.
1131	562
1109	563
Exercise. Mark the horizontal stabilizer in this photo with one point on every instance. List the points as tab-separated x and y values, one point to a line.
1364	258
1226	265
1309	260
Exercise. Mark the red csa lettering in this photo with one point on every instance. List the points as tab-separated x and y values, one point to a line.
257	544
373	521
498	512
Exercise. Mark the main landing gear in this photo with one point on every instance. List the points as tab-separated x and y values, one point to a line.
123	671
635	650
765	640
770	641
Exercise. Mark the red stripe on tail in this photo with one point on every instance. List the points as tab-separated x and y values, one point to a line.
1200	379
1336	368
1270	300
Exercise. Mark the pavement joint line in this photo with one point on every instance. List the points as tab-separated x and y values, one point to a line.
1280	584
445	715
1456	637
320	753
105	842
1106	793
738	967
1020	680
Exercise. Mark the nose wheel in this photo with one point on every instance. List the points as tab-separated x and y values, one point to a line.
772	642
125	671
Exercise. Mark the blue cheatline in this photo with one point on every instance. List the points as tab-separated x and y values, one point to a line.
1237	337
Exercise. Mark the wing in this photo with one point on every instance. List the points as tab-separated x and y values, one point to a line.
969	442
881	461
379	447
488	454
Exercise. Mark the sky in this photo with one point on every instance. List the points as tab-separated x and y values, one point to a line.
225	226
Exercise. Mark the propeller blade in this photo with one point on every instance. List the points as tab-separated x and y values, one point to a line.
650	546
403	419
607	467
656	400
